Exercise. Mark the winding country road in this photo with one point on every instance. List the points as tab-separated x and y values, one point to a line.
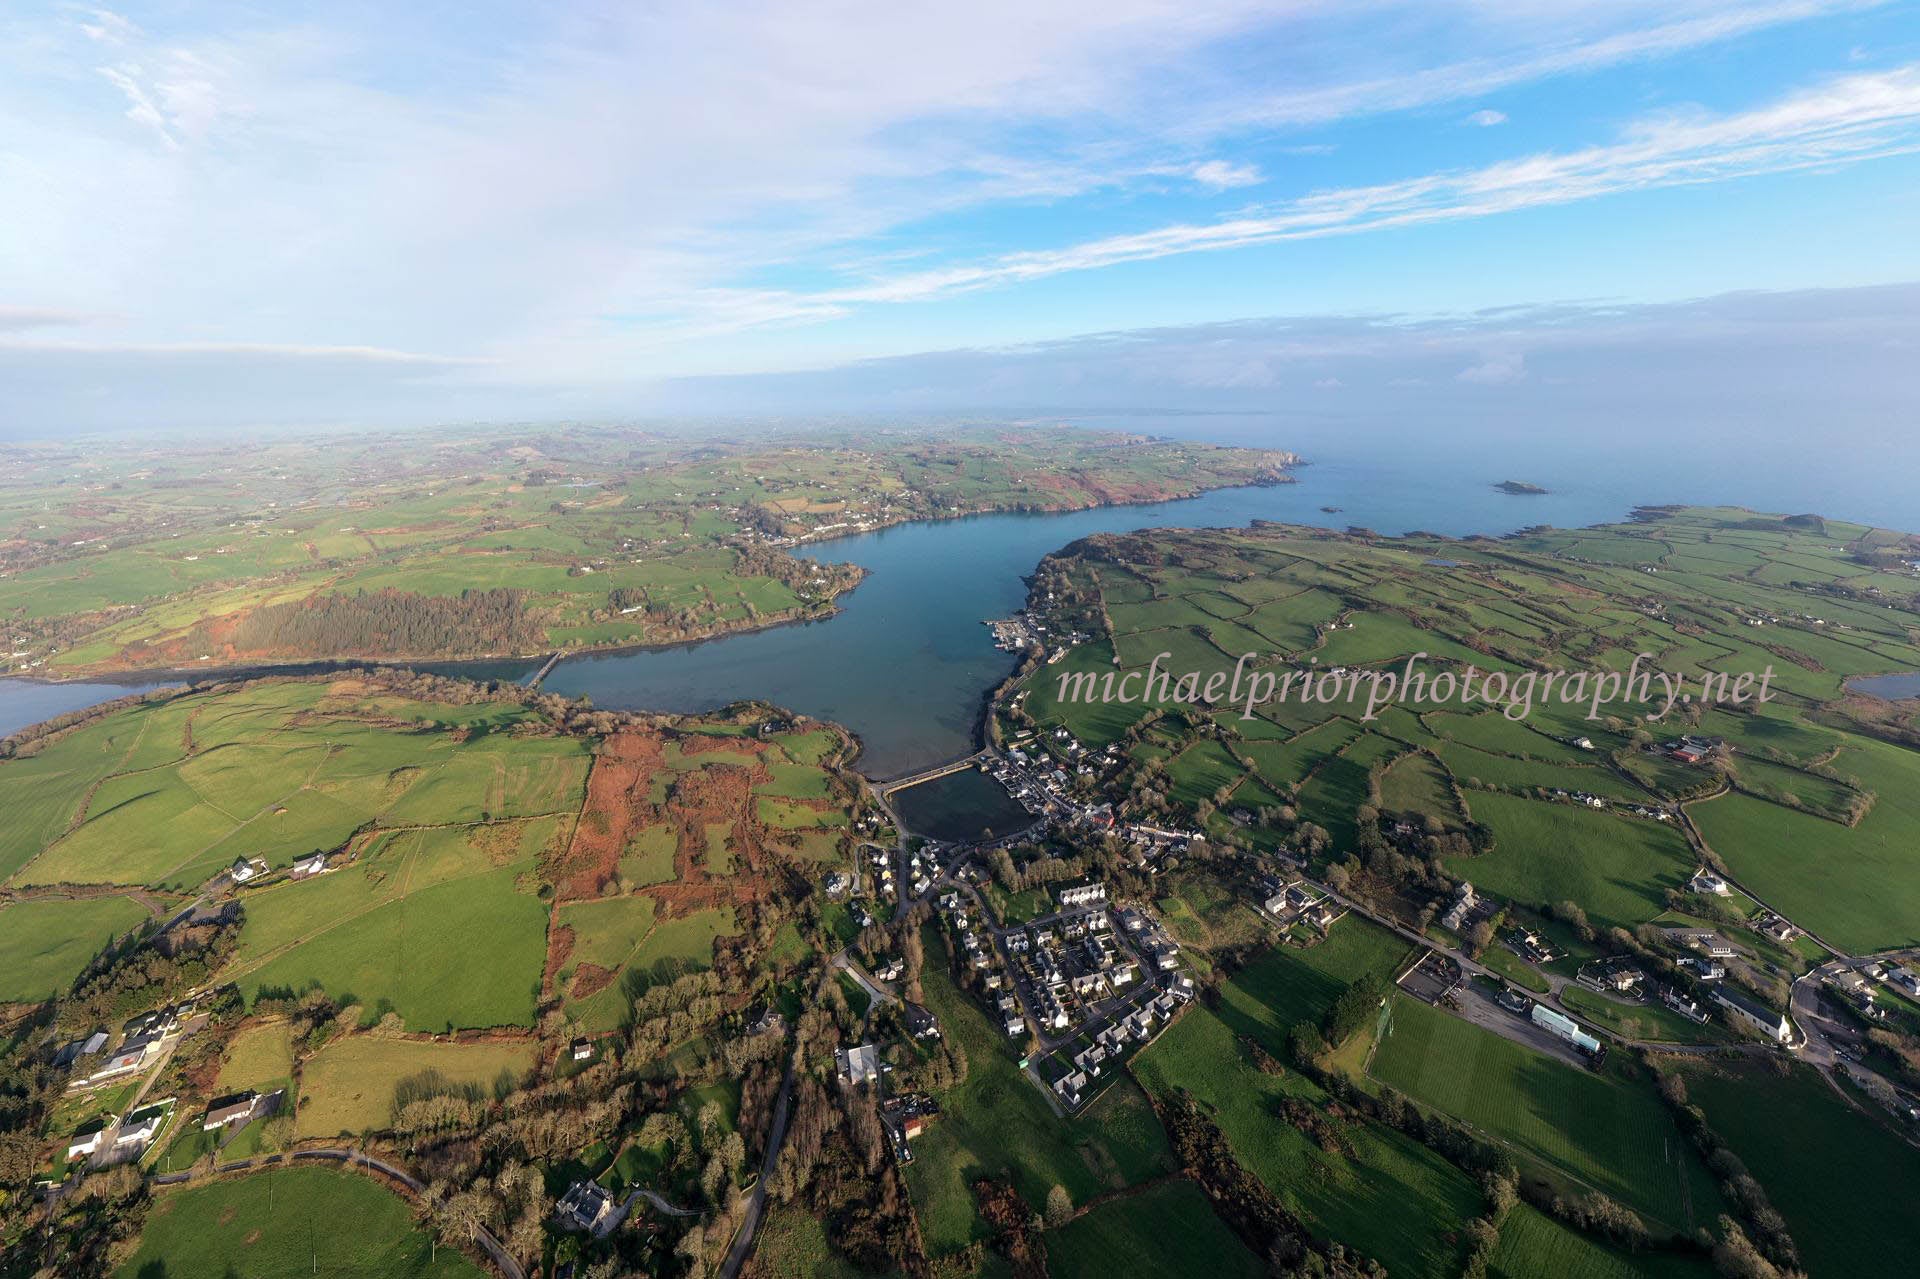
776	1137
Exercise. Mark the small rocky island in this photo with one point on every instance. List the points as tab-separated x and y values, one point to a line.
1518	487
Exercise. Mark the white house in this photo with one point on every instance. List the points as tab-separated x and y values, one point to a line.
234	1109
1081	895
1748	1011
141	1129
85	1143
1705	881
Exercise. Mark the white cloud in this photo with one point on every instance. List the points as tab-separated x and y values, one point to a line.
1579	38
1487	119
1495	370
1848	119
584	192
1223	176
108	27
1756	361
140	107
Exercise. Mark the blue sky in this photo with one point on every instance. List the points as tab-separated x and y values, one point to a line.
238	214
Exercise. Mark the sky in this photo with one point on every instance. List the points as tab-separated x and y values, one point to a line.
239	216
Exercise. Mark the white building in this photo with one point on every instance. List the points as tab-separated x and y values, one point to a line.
1745	1010
1706	881
1081	895
858	1065
1565	1028
86	1143
142	1129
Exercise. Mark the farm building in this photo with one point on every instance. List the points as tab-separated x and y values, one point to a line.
1707	882
130	1058
141	1127
1565	1028
86	1142
306	866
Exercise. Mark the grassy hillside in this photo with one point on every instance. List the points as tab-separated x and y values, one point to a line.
1601	1130
1393	1199
1837	1176
286	1223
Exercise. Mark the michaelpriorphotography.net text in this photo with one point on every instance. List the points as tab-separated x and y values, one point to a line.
1415	684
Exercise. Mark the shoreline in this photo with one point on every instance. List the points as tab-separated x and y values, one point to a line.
128	674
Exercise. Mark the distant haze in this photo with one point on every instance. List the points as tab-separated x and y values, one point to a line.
234	217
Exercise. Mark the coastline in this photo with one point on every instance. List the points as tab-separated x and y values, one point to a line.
122	674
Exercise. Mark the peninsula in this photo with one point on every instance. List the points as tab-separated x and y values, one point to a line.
503	544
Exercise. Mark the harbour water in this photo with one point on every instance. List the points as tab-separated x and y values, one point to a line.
906	663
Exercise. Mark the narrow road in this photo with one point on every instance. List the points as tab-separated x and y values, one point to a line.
662	1203
878	994
776	1137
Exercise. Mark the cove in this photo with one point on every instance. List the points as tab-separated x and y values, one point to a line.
906	663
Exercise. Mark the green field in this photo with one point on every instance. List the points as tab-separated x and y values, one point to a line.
347	1087
1287	985
1395	1200
1600	1130
1533	1245
171	794
378	932
45	944
1515	969
793	1242
1616	868
1839	1178
683	944
1170	1230
287	1223
1858	887
1418	784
